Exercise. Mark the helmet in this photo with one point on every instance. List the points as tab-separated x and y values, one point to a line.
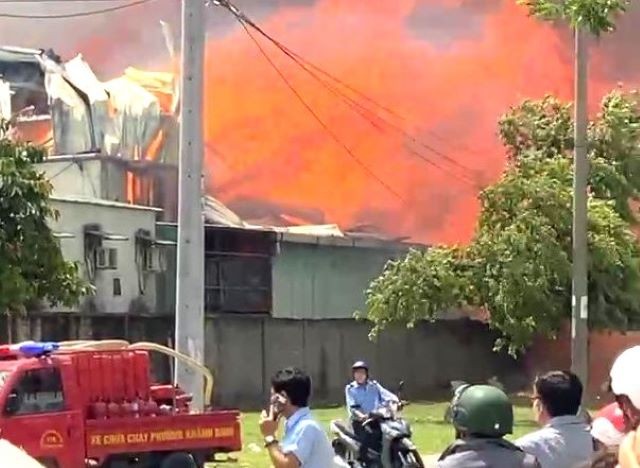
482	410
625	379
360	365
608	425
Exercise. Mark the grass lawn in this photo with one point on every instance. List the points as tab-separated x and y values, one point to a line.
430	433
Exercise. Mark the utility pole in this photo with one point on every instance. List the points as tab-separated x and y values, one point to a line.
189	328
580	304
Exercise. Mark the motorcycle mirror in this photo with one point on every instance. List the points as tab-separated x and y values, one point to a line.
456	384
401	386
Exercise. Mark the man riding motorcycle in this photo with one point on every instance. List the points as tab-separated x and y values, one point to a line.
363	396
482	415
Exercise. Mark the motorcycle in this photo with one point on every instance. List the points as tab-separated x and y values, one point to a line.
396	449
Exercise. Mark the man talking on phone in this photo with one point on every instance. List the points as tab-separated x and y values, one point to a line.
304	443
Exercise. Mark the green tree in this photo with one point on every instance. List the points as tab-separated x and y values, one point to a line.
597	16
518	266
31	264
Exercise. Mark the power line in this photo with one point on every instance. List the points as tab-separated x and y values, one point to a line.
357	107
371	117
313	113
64	169
352	89
242	16
77	14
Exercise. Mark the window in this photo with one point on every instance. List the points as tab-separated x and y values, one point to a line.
238	271
117	287
39	391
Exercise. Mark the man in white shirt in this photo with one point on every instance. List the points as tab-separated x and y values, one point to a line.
564	440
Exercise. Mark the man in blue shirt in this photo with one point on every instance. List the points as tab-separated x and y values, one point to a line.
364	396
304	443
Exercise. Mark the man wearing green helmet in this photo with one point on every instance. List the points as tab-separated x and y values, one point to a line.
482	415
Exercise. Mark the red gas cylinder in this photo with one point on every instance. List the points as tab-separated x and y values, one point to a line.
99	410
148	408
127	409
114	410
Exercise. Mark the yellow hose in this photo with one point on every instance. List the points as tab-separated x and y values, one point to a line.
103	345
66	344
206	373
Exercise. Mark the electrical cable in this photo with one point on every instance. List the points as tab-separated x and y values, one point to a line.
355	91
371	117
357	107
241	15
77	14
313	113
61	171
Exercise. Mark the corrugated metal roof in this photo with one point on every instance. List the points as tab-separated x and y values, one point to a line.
101	202
317	238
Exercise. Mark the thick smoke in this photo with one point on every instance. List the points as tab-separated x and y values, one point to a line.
449	67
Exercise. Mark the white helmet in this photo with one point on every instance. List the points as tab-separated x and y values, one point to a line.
625	378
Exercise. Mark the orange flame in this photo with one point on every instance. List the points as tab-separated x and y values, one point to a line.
277	152
449	67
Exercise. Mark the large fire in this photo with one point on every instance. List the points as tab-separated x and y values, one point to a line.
448	67
451	94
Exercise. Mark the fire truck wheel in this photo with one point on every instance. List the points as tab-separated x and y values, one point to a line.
179	460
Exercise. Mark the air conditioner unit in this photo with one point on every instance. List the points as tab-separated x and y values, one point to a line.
106	258
154	260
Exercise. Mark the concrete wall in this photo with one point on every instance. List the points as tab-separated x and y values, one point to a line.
244	352
89	177
106	178
323	281
114	218
248	351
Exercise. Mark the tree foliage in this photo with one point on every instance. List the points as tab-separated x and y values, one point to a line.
597	16
518	266
31	263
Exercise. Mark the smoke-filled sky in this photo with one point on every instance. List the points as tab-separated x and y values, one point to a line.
448	67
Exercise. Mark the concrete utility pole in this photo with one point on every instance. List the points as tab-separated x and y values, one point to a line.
190	270
580	304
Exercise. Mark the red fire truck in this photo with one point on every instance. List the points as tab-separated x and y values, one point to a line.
92	404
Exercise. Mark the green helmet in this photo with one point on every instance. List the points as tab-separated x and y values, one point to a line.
482	410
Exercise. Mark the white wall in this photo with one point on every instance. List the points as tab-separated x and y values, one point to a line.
85	176
117	219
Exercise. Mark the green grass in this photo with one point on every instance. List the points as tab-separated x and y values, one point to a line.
430	433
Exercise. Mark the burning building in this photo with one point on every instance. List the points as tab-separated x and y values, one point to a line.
112	160
125	128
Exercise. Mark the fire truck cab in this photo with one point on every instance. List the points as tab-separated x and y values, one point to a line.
89	407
